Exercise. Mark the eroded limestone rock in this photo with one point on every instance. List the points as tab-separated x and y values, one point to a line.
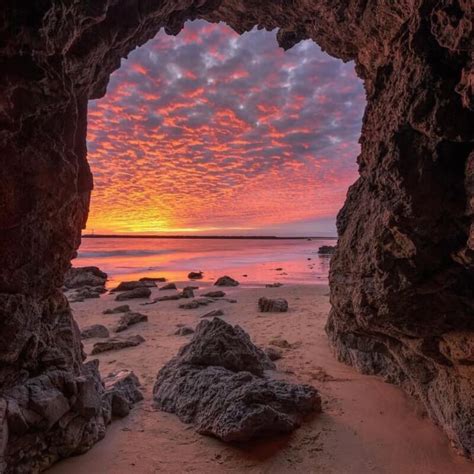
217	383
226	281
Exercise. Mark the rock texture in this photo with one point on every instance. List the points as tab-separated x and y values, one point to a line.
115	344
216	382
78	277
132	285
270	305
138	292
122	388
130	319
226	281
96	330
402	275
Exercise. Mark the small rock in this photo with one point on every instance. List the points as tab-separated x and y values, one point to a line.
273	285
155	279
132	285
116	344
273	354
167	298
169	286
195	275
191	305
226	281
130	319
282	343
96	330
267	305
214	294
140	292
184	331
124	308
214	313
122	388
230	300
187	292
279	269
204	301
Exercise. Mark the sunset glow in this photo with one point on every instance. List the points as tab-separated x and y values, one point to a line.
212	132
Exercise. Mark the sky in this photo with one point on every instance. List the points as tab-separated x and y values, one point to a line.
215	133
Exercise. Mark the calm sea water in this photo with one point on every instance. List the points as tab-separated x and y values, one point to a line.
128	259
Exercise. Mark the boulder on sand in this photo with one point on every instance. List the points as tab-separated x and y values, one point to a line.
124	308
277	305
141	292
187	292
184	331
130	319
116	344
214	294
195	275
95	330
226	281
169	286
78	277
216	382
122	389
131	285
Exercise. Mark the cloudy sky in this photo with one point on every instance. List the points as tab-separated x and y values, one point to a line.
211	132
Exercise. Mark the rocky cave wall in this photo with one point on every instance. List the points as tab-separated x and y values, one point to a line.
402	278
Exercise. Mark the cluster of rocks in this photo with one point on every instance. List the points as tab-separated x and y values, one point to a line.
87	282
218	383
74	409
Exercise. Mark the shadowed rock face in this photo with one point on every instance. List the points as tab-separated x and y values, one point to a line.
402	275
216	382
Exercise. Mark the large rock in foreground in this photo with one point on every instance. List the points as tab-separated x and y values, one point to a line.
217	383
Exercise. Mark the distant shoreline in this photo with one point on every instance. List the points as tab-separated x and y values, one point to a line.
207	237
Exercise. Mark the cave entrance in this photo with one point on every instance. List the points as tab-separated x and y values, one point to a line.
401	279
212	132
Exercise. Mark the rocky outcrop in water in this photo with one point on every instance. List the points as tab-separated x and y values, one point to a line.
402	275
217	383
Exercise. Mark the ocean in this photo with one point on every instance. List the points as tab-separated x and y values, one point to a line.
262	261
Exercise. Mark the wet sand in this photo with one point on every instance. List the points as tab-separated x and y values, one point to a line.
366	426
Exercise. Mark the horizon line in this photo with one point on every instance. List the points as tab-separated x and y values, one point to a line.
229	237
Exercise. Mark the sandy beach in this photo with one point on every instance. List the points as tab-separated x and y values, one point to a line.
366	425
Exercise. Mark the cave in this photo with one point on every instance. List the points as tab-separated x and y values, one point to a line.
401	280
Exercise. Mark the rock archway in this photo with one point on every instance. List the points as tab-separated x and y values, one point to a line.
402	279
